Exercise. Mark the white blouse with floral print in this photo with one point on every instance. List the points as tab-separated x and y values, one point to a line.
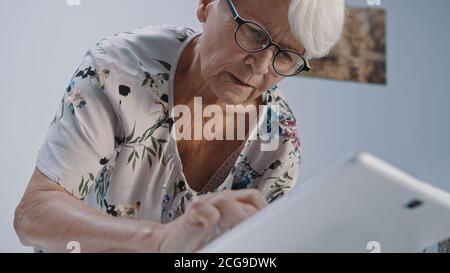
111	141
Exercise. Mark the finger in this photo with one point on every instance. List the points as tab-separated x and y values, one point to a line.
249	209
205	213
231	211
251	197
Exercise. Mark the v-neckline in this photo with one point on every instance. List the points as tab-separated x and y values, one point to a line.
173	136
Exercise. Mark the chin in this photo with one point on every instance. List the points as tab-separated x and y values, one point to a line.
229	96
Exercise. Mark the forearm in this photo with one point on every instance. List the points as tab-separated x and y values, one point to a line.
52	219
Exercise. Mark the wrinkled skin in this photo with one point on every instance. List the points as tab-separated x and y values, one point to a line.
48	217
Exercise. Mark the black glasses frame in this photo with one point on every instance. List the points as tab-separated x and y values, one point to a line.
241	21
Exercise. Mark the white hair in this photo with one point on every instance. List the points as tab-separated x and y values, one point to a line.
317	24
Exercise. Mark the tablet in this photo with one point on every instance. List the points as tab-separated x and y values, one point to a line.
361	204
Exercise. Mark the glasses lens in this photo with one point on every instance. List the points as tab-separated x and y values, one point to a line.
252	37
288	63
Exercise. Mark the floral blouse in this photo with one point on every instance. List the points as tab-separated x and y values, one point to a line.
111	142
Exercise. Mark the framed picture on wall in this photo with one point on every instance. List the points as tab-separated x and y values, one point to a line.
360	56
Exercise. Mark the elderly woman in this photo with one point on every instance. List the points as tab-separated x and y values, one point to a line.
113	173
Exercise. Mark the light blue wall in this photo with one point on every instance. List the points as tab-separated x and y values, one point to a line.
405	122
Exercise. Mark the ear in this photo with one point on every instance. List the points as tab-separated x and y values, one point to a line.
202	10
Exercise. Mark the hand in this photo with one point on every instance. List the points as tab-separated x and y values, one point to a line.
198	225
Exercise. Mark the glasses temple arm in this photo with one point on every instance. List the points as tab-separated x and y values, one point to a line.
232	9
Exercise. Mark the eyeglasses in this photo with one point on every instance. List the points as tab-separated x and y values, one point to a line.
252	37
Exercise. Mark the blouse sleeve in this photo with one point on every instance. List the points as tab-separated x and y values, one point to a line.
282	180
81	137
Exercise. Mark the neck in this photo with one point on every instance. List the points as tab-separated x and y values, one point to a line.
189	80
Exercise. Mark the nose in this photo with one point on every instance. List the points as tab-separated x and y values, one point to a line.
260	61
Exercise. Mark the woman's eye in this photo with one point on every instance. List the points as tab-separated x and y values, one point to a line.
286	57
257	34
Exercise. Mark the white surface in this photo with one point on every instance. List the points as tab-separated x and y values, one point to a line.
357	204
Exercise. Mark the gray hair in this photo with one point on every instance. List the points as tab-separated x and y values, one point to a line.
317	24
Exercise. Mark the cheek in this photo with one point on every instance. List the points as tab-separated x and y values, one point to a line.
218	49
216	58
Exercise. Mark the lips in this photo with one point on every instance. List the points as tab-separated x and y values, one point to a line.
239	82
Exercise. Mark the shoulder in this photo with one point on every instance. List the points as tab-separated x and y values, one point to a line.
150	46
133	68
276	97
